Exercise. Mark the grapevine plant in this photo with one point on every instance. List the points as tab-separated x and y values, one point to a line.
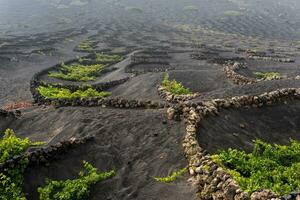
11	179
174	87
174	175
53	92
76	189
78	72
268	166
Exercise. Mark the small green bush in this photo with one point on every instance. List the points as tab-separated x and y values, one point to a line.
100	57
274	167
174	87
10	145
85	45
53	92
11	180
267	75
108	58
78	72
172	177
76	189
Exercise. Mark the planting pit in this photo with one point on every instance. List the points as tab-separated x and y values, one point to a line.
201	81
285	70
139	68
237	128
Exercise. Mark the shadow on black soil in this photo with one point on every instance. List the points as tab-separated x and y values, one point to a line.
237	128
138	144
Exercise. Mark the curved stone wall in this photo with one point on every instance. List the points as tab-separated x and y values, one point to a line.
172	98
212	181
37	156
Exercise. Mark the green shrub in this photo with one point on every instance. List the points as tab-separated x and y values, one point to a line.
172	177
76	189
100	57
85	45
274	167
78	72
53	92
10	145
11	180
108	58
174	87
267	75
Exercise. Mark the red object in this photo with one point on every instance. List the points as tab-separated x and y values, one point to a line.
17	105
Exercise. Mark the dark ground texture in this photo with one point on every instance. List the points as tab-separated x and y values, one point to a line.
140	144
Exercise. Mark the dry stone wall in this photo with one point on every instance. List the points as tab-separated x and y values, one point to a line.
173	98
212	181
230	71
38	156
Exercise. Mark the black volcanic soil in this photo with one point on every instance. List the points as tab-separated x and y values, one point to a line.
286	70
237	128
138	144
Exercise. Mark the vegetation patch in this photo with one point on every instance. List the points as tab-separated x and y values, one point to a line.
78	72
267	75
174	87
191	8
232	13
172	177
100	57
11	180
10	145
86	45
76	189
53	92
134	9
268	166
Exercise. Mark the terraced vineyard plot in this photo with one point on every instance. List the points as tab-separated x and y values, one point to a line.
174	87
139	131
269	166
267	75
53	92
102	58
78	72
145	132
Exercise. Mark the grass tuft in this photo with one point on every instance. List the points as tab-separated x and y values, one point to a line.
172	177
